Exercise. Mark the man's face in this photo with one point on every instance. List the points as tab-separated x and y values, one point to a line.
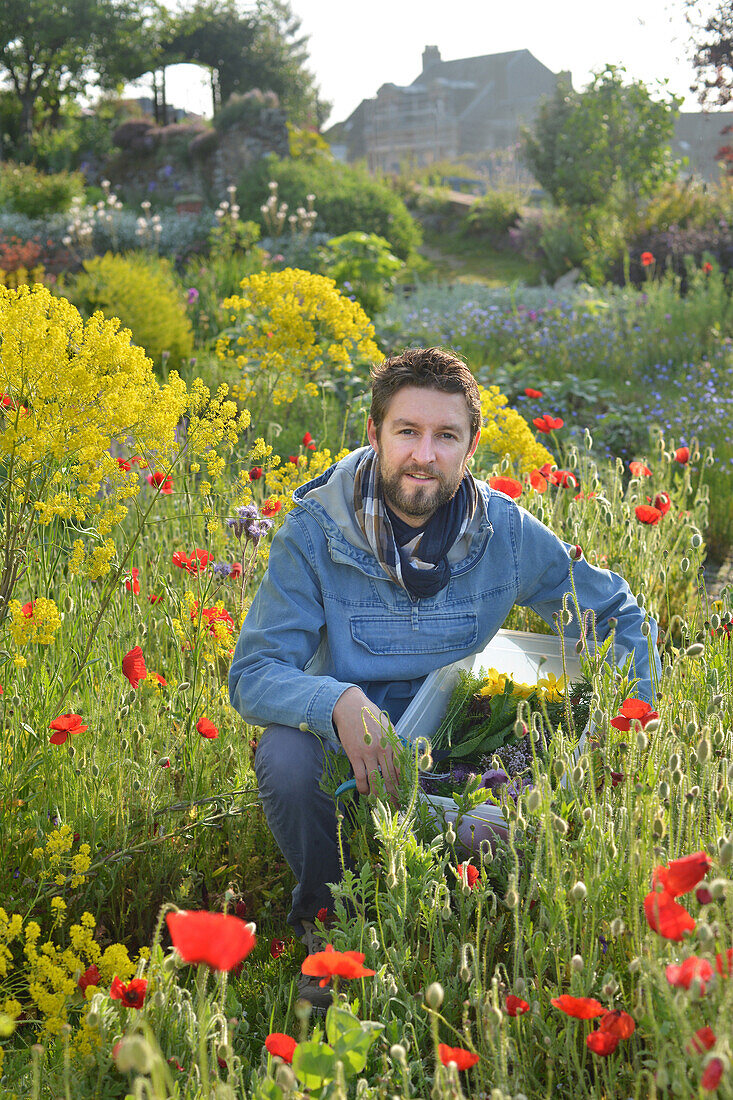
423	447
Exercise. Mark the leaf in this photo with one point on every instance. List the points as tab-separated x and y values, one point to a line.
313	1064
353	1049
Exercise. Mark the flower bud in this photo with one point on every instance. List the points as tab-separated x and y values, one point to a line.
641	740
133	1054
617	927
576	963
695	649
726	853
534	801
579	892
434	996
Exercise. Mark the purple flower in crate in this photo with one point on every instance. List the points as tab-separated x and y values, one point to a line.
494	778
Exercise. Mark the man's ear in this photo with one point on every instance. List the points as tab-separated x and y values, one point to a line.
372	434
474	445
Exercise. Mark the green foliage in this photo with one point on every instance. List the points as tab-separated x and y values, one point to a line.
347	198
609	142
143	292
25	190
493	214
363	265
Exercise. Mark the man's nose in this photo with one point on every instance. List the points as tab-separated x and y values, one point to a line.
424	449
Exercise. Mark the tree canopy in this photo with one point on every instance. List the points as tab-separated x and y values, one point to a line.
610	141
713	57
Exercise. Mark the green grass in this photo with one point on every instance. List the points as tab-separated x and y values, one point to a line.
455	257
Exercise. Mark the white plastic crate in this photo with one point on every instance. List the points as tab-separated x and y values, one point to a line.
524	656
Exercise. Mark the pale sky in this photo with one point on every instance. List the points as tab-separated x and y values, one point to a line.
356	47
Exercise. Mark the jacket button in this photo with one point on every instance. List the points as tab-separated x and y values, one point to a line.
304	727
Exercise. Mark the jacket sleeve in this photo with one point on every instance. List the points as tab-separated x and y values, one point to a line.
544	578
281	633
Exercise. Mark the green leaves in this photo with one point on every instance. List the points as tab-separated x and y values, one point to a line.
349	1042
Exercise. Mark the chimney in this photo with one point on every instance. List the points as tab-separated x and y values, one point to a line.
430	57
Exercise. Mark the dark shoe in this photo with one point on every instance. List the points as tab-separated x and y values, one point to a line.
310	989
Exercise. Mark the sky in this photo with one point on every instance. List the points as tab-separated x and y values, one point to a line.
354	47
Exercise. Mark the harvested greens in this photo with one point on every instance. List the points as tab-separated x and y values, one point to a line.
483	732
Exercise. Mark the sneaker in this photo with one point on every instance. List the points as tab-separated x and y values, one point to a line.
310	989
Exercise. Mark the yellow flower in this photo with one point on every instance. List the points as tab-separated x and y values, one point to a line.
505	432
552	687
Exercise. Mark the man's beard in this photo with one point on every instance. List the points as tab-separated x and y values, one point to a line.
421	502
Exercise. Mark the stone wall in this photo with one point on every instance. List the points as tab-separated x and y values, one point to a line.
169	162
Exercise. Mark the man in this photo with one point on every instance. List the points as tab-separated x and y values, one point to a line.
395	562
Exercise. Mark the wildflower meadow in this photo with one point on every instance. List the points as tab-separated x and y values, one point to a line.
144	952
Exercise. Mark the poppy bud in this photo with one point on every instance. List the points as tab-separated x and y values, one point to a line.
726	853
398	1054
704	751
652	725
576	963
534	801
579	892
617	927
717	888
559	825
512	899
434	996
641	740
695	649
696	541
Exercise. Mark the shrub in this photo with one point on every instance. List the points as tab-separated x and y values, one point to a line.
24	190
245	110
142	291
137	134
362	264
203	145
493	215
347	198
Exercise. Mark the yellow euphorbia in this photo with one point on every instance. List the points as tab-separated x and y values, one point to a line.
505	432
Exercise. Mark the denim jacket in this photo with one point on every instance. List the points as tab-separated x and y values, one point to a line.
327	617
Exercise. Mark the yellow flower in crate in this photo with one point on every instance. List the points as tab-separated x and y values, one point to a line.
552	687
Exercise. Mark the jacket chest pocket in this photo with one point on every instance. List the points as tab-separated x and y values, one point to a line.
387	635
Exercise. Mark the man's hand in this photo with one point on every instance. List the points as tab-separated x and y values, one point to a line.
354	716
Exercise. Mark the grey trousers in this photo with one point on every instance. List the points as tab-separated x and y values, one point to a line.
289	764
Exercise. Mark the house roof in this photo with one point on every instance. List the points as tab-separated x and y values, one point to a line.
476	70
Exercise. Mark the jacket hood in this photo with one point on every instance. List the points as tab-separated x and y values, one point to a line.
330	500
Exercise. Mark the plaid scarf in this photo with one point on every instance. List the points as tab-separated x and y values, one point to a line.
419	563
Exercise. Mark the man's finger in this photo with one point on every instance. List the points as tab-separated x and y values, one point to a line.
361	776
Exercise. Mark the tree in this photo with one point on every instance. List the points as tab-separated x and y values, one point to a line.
713	57
255	48
608	143
60	48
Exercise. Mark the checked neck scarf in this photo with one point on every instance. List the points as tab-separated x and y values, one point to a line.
416	559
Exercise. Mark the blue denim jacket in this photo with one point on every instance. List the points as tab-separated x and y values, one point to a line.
327	617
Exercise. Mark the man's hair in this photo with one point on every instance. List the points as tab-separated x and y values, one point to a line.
429	369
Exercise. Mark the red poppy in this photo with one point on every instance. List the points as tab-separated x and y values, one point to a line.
219	940
584	496
280	1045
566	478
703	1039
6	401
471	873
508	485
713	1072
276	948
515	1006
322	915
724	963
91	976
155	599
537	481
332	964
270	507
132	995
161	679
601	1043
123	465
666	917
133	666
255	473
647	259
547	423
194	562
662	503
534	394
616	778
132	584
682	875
685	974
703	895
463	1059
638	469
617	1023
308	441
293	459
583	1008
646	514
207	729
213	615
138	460
707	267
633	710
682	455
161	481
27	609
65	725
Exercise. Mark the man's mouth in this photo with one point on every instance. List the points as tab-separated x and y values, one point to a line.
421	477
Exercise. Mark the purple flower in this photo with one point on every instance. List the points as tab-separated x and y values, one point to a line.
248	523
221	568
192	295
168	171
494	778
